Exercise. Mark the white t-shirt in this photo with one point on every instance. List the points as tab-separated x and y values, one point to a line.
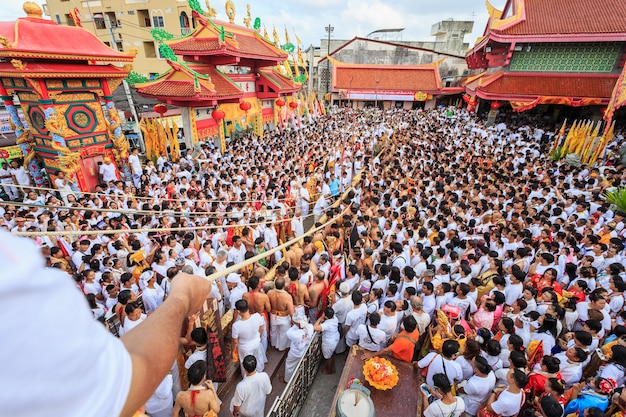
439	409
354	319
250	395
247	331
108	172
508	404
478	390
135	163
129	324
452	369
376	343
60	361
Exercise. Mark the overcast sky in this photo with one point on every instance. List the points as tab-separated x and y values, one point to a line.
349	18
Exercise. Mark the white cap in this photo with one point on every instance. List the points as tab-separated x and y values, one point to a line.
344	288
233	278
187	252
146	275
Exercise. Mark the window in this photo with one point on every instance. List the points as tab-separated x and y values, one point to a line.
149	50
58	19
98	20
68	20
120	46
143	17
113	19
158	21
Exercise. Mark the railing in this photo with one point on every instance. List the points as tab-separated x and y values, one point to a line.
289	402
185	31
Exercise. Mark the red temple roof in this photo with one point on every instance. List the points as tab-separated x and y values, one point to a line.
561	17
513	86
423	78
283	85
238	42
178	86
62	70
33	37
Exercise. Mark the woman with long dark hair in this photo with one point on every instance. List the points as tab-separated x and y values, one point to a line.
546	333
616	366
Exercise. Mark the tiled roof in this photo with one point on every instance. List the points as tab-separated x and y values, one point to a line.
570	17
34	37
389	78
239	41
283	84
179	82
195	45
250	45
563	85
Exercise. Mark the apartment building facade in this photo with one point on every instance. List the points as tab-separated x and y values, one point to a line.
126	24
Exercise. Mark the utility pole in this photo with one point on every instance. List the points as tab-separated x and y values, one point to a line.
129	96
329	29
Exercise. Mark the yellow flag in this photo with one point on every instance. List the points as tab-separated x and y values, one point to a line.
276	39
286	36
298	41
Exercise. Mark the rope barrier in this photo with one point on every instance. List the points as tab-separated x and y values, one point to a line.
289	210
146	230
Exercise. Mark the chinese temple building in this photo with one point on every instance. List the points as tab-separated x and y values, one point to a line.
223	76
537	52
64	78
403	86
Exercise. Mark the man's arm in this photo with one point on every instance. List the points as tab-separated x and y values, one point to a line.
153	344
383	352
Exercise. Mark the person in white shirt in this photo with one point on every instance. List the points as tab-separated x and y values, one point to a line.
6	178
355	318
237	253
329	326
443	363
252	391
297	226
64	186
508	402
370	336
152	294
22	177
107	170
445	404
300	336
246	336
135	166
479	386
134	316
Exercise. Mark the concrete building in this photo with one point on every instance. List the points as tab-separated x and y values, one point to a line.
129	22
386	47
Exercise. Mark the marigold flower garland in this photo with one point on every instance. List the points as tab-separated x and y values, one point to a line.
380	373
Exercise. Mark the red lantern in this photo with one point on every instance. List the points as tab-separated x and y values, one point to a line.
495	105
160	108
293	105
280	102
245	106
218	115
